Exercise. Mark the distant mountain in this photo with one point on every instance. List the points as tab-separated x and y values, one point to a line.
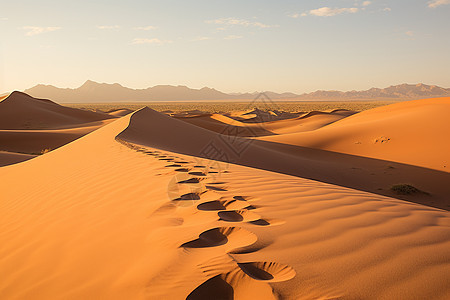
93	92
402	91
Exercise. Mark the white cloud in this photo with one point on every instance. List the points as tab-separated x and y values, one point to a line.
108	27
239	22
145	28
436	3
366	3
295	16
149	41
329	12
201	38
387	9
4	19
35	30
233	37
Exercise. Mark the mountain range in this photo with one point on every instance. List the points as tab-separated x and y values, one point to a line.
93	92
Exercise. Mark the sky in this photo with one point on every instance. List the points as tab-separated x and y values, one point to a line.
229	45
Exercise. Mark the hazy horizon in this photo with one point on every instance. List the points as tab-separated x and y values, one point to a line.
235	92
233	47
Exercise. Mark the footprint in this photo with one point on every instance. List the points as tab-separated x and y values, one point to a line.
165	209
244	276
222	205
191	180
238	216
220	182
213	288
189	196
242	198
235	236
267	222
215	188
268	271
197	173
211	206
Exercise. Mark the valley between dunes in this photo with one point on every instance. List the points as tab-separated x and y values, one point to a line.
247	205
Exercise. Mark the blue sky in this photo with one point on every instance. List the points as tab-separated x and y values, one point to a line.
233	46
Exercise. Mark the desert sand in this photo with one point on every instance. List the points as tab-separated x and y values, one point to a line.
207	206
30	126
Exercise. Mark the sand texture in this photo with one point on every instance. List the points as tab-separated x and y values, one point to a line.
156	206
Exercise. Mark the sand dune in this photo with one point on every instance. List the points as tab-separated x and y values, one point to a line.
264	126
386	133
135	229
32	126
366	174
20	111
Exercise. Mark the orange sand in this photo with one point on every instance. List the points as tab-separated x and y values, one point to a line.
100	218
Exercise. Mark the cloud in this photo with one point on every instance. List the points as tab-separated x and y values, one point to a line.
295	16
201	38
145	28
4	19
155	41
366	3
329	12
233	37
108	27
436	3
35	30
238	22
409	33
387	9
